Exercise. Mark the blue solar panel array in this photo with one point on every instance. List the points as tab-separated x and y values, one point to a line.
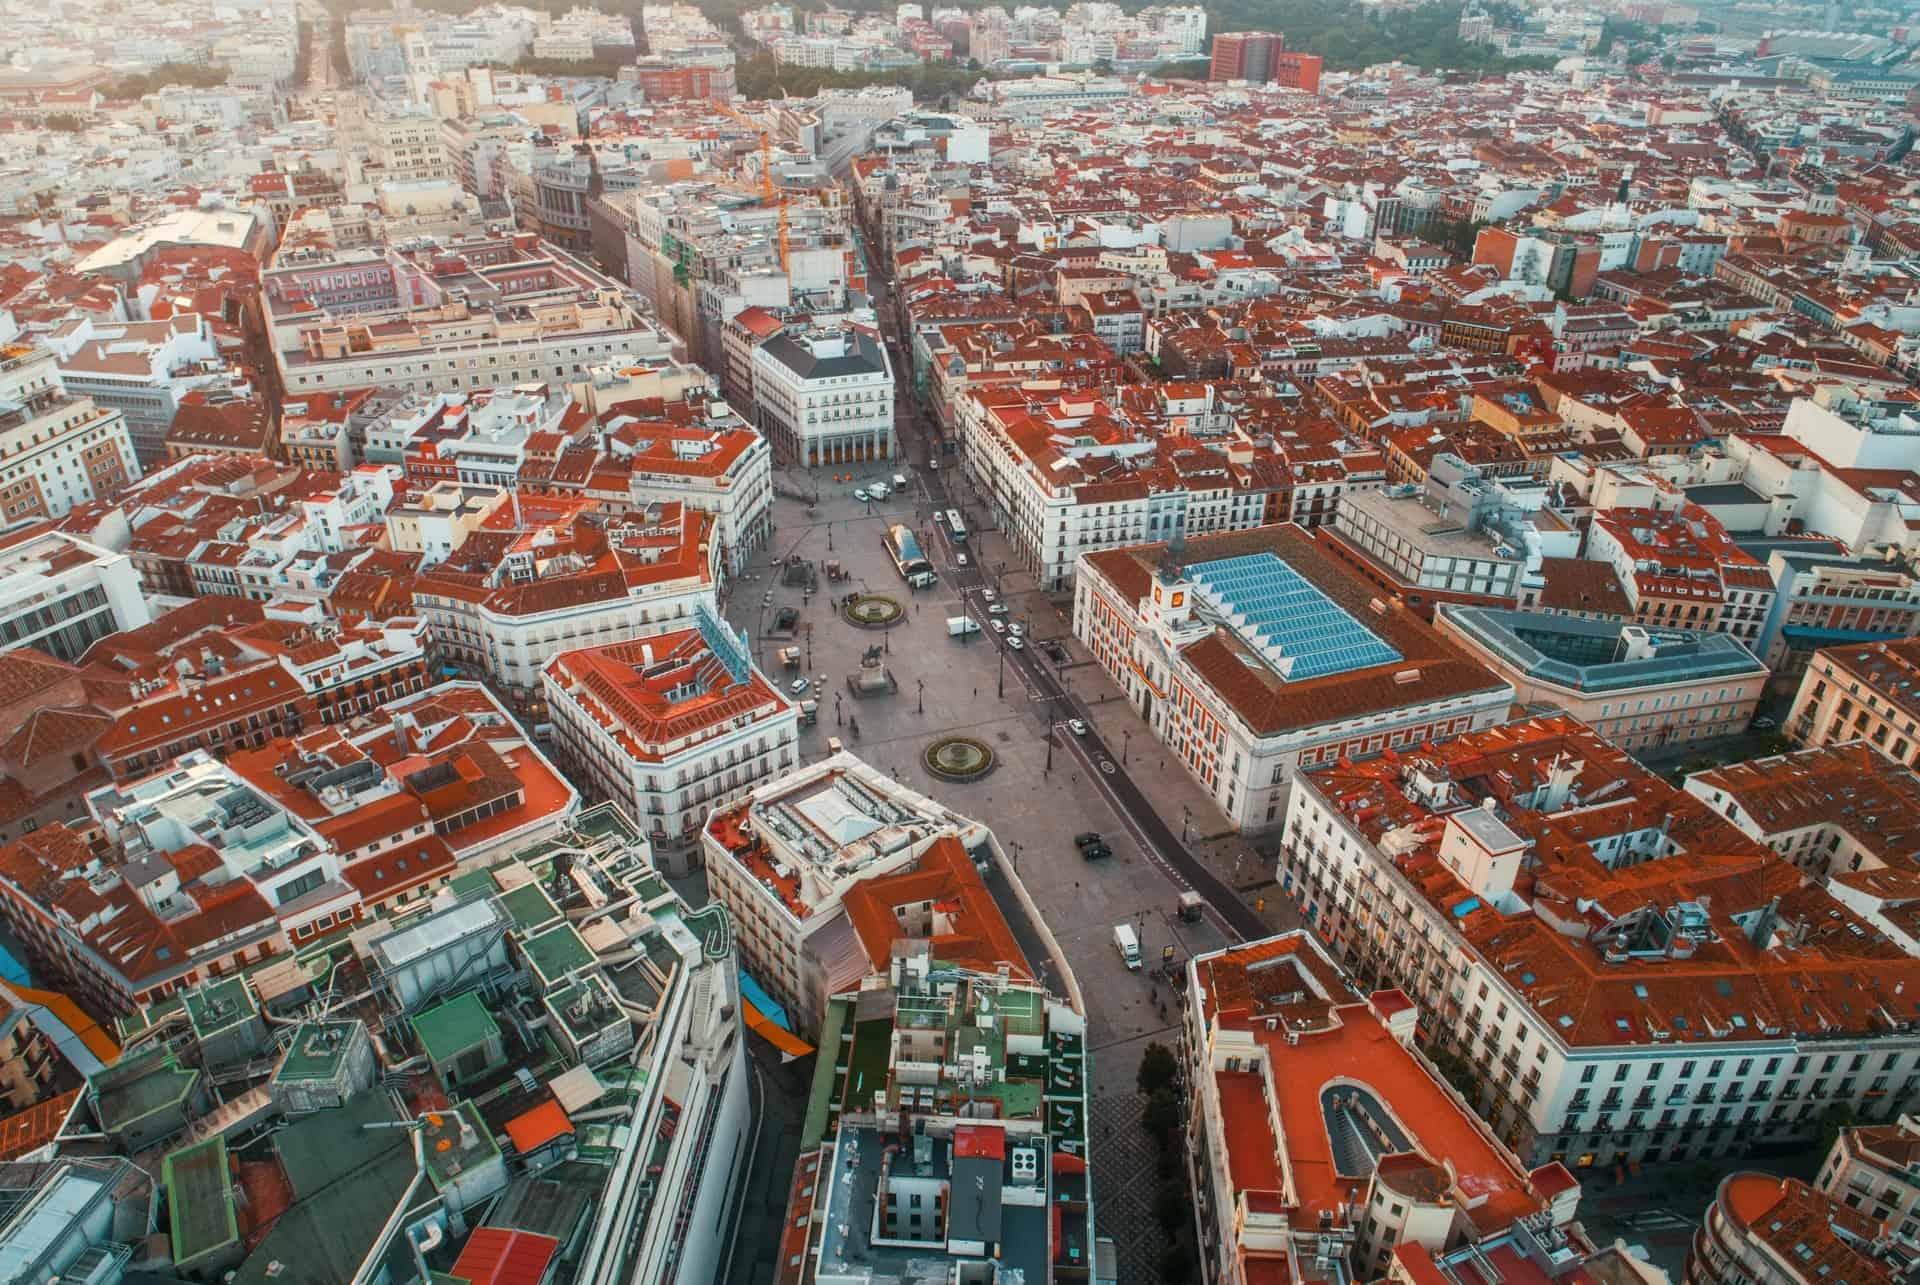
1275	609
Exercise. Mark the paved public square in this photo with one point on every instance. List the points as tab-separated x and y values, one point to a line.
948	685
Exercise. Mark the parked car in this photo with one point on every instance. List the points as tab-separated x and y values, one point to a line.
1088	839
1014	641
1096	852
933	466
988	594
997	609
861	495
999	626
1763	724
798	685
1017	627
1077	726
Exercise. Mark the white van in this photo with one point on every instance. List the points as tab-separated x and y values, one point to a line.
1128	945
899	481
878	490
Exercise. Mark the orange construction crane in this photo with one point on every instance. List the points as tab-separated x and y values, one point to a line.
767	194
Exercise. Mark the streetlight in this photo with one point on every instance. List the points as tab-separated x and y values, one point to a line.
1016	856
923	694
1002	691
1126	735
836	709
1186	817
1050	729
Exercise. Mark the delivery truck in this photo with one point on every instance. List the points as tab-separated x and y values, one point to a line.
961	626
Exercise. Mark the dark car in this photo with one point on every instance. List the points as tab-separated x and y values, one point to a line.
1096	852
1088	839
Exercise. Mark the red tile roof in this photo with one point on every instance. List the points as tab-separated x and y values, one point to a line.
534	1129
497	1256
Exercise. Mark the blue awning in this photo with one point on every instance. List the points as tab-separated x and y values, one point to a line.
769	1006
12	969
1806	636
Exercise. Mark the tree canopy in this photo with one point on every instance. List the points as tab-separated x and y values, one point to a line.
1350	35
761	77
199	75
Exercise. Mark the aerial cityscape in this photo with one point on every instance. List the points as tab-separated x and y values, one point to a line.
1268	642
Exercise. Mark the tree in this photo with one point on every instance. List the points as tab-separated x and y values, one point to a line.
1836	1117
1162	1114
607	69
196	75
64	123
1158	1068
1350	34
1619	29
1184	69
1179	1261
1171	1206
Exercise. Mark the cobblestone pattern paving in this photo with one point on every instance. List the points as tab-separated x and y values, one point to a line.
1123	1186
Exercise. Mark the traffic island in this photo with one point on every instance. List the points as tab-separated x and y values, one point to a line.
959	758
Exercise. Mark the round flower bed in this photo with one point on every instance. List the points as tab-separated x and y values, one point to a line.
873	611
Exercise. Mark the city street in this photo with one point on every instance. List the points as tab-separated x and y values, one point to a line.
953	685
1049	784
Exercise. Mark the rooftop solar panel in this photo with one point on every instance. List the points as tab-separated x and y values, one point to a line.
1302	632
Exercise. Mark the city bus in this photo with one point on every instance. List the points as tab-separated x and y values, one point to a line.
956	526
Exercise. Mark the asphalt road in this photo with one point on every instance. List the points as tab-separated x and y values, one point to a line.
762	1210
1157	840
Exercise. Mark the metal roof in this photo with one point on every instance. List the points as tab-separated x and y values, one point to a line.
1300	630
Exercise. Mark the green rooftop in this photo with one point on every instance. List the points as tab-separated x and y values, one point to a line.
455	1027
556	953
472	883
600	1010
829	1072
1067	1121
529	907
606	819
129	1026
347	1180
200	1201
711	926
448	1150
318	1050
134	1088
218	1005
1018	1099
1022	1012
867	1066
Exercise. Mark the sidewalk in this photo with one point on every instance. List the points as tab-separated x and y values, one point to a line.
1166	783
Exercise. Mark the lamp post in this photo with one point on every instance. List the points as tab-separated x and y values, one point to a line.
1186	818
1051	725
922	683
836	709
1002	690
1126	735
